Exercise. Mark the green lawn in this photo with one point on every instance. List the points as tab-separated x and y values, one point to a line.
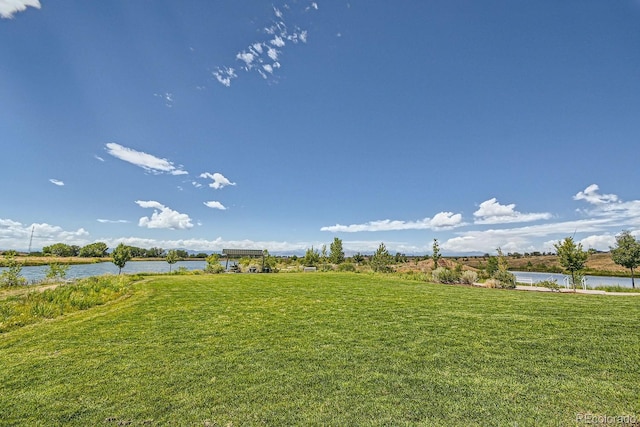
325	349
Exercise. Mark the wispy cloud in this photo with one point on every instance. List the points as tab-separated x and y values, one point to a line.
148	162
9	7
111	221
215	205
56	182
163	217
95	156
262	56
492	212
219	180
167	97
441	221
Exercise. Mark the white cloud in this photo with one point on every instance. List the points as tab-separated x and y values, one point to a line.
219	180
492	212
9	7
163	217
110	221
215	205
278	41
167	97
98	158
272	53
591	195
247	58
225	75
56	182
253	57
442	220
146	161
15	235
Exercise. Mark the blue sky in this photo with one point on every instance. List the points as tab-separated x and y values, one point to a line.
216	124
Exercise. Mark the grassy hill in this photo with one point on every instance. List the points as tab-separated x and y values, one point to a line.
324	349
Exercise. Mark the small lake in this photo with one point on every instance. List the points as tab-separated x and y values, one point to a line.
592	281
75	271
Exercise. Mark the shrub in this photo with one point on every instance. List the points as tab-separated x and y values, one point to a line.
492	283
551	284
506	279
346	266
11	276
468	277
444	275
215	268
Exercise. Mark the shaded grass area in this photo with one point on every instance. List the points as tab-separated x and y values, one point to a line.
325	349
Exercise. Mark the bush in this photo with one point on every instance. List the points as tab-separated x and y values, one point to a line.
469	277
551	284
11	276
215	268
346	266
492	283
506	279
444	275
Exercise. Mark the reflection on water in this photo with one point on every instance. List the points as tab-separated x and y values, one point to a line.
592	281
36	273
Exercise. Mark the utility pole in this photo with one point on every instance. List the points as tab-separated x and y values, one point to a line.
31	238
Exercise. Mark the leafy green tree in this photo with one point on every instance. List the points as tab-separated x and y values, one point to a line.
182	253
213	264
381	259
336	254
172	258
324	256
156	253
358	258
61	250
121	254
94	250
311	258
627	253
572	258
57	271
436	256
11	276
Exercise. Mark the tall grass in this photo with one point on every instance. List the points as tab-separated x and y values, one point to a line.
35	305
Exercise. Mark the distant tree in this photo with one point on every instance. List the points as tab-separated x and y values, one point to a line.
270	261
358	258
96	250
324	256
381	259
61	250
311	258
172	258
436	253
572	258
492	265
155	252
121	254
182	253
627	253
336	253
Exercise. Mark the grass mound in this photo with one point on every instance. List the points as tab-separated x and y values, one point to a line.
325	349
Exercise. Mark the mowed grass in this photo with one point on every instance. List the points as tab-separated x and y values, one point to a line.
325	349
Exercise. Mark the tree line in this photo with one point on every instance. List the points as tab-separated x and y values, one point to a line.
101	250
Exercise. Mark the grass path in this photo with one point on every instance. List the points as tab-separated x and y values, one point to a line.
325	349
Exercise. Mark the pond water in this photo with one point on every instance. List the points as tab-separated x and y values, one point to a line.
592	281
75	271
